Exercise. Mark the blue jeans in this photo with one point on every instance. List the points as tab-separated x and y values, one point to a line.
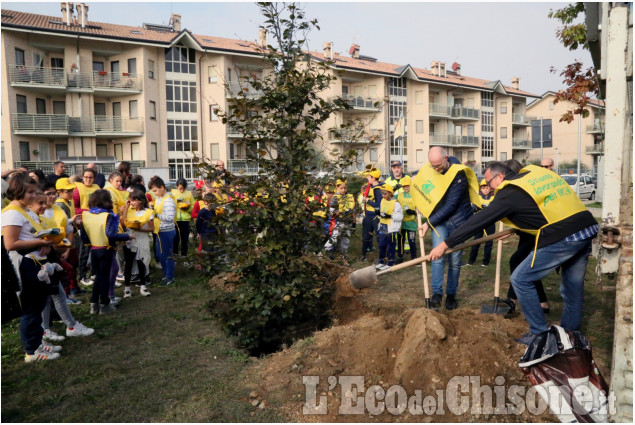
163	250
387	243
438	266
573	258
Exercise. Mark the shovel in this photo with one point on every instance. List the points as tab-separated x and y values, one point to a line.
498	307
363	278
424	268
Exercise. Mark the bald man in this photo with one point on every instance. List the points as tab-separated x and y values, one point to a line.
547	163
448	177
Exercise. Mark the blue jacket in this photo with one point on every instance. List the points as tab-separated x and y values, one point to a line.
455	204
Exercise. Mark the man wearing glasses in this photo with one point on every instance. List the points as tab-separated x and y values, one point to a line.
547	163
441	192
222	173
542	204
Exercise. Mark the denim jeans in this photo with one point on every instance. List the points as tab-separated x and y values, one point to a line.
163	249
102	259
573	258
438	266
369	225
387	243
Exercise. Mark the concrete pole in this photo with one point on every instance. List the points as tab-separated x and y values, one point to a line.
541	141
579	149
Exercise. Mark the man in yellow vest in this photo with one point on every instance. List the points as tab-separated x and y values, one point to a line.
396	175
538	202
443	191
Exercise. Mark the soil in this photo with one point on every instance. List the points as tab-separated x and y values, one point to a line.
418	349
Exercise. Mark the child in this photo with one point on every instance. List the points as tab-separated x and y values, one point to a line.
184	203
164	228
371	199
140	221
409	223
486	195
390	217
206	224
65	200
198	206
342	210
100	228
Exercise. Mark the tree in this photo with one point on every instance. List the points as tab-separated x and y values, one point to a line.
579	82
271	232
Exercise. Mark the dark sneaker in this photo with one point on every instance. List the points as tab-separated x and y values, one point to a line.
450	302
77	291
511	304
436	300
399	260
526	339
107	309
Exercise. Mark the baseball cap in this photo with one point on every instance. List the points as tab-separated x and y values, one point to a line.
374	172
392	164
483	182
387	188
64	184
405	181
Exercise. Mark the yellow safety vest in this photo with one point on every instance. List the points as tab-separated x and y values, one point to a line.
158	209
407	203
345	202
393	182
119	198
37	225
371	197
69	204
133	221
386	207
184	204
59	221
84	194
429	186
553	196
95	227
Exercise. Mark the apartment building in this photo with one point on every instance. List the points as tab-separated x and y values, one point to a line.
80	88
565	135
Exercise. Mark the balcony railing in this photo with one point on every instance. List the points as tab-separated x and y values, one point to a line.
439	110
242	166
33	75
459	112
595	128
115	124
454	140
354	136
116	80
521	144
40	124
365	103
595	149
80	80
247	90
521	119
105	168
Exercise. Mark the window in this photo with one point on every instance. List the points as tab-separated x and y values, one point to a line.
38	59
458	155
61	151
344	89
487	146
19	57
21	101
487	100
133	109
419	158
59	107
470	129
40	106
419	97
154	152
114	67
150	68
100	109
470	155
212	114
132	66
119	152
503	107
487	122
397	87
503	156
372	91
214	151
552	106
419	124
373	154
98	66
134	151
153	110
181	168
25	154
182	135
181	96
180	59
211	74
503	132
102	150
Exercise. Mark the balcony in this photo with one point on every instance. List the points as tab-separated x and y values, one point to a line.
595	128
595	149
522	120
57	80
247	90
45	80
75	165
440	111
360	104
356	137
461	113
521	144
63	125
48	125
455	141
242	167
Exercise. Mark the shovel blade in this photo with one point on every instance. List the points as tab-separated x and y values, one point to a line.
363	278
497	308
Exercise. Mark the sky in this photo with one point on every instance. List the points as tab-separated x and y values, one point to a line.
492	41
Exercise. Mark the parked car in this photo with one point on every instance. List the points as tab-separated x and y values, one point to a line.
587	188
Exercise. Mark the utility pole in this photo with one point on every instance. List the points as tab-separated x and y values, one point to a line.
579	148
541	141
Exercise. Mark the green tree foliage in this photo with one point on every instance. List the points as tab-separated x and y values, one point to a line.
579	82
270	230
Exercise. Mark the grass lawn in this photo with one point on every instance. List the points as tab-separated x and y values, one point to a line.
164	358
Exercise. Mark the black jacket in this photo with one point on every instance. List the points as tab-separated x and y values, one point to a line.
455	204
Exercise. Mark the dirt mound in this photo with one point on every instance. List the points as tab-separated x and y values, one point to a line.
418	350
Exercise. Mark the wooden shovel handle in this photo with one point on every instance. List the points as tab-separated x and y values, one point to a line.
499	252
449	251
424	269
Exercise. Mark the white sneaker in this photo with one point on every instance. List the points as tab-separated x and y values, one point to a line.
379	266
72	301
144	291
79	330
86	281
52	336
383	267
120	278
39	355
127	293
47	347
